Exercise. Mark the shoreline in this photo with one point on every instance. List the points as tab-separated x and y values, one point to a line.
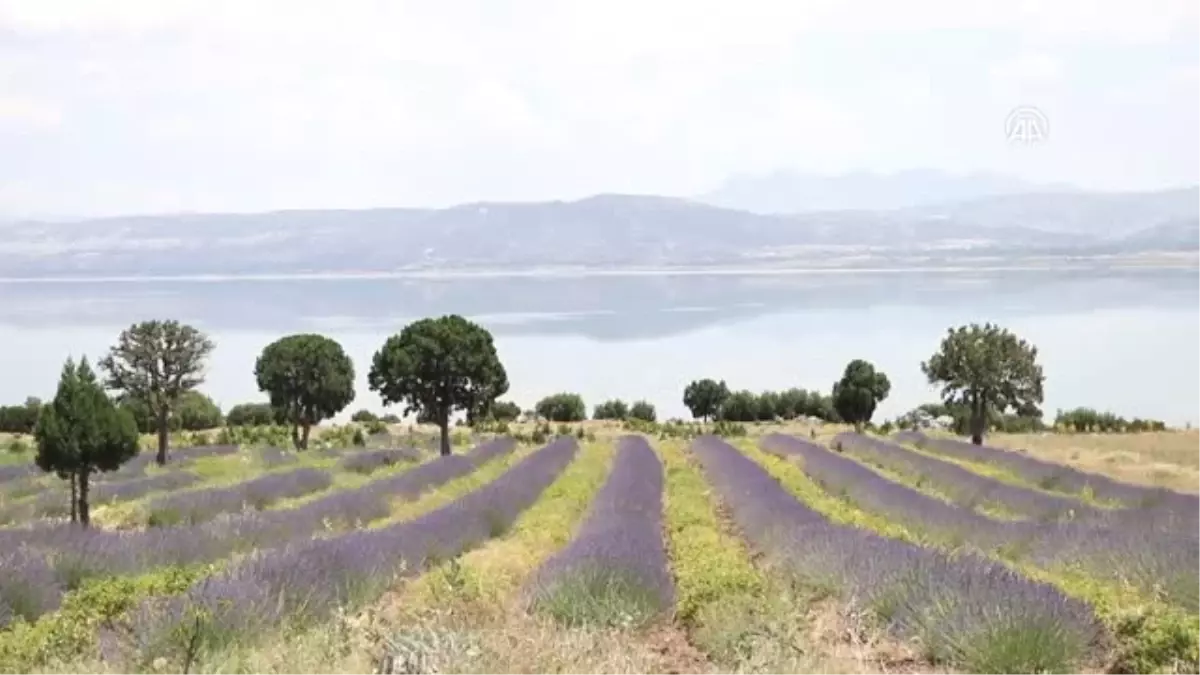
564	272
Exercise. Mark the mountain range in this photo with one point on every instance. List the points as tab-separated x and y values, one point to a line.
606	232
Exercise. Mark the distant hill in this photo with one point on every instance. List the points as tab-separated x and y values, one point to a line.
795	192
605	231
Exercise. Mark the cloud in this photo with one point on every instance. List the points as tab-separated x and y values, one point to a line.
29	112
227	104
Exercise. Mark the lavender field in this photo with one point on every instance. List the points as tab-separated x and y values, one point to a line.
563	555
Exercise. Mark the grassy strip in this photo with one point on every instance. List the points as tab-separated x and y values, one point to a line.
65	640
489	577
1150	635
743	616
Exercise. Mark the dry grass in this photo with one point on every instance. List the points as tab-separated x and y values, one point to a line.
1168	459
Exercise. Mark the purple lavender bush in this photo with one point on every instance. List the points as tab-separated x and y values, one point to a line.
965	610
135	488
306	581
272	457
198	506
962	485
614	571
1121	549
369	461
14	472
28	586
74	554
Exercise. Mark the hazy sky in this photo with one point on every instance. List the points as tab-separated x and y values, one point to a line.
118	106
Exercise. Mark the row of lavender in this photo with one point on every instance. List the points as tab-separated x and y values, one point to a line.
308	580
963	608
134	468
44	561
54	502
615	568
1057	477
964	486
197	506
1122	549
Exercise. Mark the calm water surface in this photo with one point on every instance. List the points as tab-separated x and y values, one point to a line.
1122	341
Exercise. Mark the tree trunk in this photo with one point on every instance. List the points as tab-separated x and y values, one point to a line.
164	417
304	429
858	427
85	518
978	421
444	425
74	497
296	436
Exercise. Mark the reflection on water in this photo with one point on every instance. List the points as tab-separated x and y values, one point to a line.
1126	341
603	308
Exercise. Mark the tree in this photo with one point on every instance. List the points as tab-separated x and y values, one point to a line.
615	409
984	368
194	412
768	406
364	415
859	391
740	406
562	407
704	398
643	410
437	366
82	431
506	411
156	362
308	377
20	419
252	415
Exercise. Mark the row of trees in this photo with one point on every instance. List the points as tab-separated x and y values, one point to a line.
854	399
437	367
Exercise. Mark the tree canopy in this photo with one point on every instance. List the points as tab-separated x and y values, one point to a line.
82	431
506	411
704	398
252	415
986	368
859	391
643	410
616	409
308	377
437	366
156	362
193	412
562	407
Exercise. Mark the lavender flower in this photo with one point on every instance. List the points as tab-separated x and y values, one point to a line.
959	607
615	569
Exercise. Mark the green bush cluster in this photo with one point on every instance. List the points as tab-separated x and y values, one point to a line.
1089	420
20	419
746	406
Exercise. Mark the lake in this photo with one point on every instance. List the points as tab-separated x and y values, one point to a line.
1123	340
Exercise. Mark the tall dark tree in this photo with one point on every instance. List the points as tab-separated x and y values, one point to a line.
308	377
437	366
156	362
704	398
985	368
81	432
859	391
